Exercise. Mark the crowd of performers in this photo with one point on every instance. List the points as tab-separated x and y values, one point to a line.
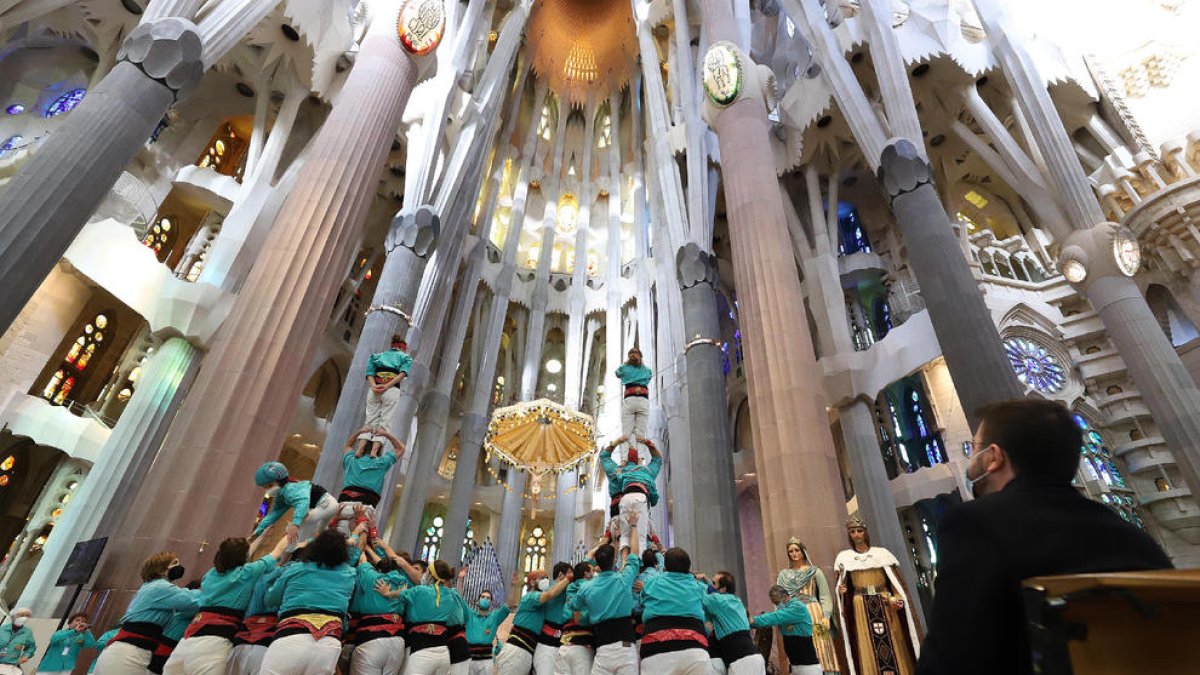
333	597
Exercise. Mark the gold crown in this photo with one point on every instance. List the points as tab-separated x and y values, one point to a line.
855	521
792	541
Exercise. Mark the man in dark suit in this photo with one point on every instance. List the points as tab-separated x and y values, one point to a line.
1027	520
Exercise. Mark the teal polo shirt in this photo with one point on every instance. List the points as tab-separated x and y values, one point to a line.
307	585
423	606
64	649
233	588
673	594
726	612
634	375
366	600
367	472
531	613
295	496
609	595
391	361
792	616
157	601
481	626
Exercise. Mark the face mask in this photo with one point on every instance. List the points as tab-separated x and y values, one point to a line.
19	621
973	483
175	572
273	490
543	584
484	603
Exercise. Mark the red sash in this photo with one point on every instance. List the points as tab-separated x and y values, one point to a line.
220	624
317	625
257	630
669	634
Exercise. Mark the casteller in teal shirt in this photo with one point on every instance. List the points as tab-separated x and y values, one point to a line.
101	643
609	594
638	376
482	624
673	594
727	614
294	495
531	613
157	601
232	589
621	476
392	361
16	644
367	472
792	615
64	649
310	586
433	604
366	600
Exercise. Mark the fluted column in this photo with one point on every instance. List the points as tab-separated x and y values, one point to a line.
564	515
711	451
100	504
410	242
508	543
200	488
50	199
610	416
794	452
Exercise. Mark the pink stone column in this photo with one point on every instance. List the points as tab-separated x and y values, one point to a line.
799	483
201	487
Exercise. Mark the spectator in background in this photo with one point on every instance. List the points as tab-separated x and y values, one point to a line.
65	645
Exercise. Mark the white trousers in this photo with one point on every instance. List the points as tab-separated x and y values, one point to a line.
615	658
543	659
301	655
431	661
635	417
573	660
482	667
461	668
202	655
122	658
381	656
630	503
319	516
747	665
9	669
345	515
512	660
379	412
683	662
814	669
245	659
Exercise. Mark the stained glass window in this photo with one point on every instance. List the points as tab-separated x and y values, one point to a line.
1097	464
909	440
160	238
536	549
883	317
853	234
1034	365
65	103
431	540
12	143
15	109
75	363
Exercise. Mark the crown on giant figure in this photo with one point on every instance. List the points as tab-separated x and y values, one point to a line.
793	541
855	521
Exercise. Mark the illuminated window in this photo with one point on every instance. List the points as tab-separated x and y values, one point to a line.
224	153
544	123
535	550
1098	465
15	109
1035	365
7	468
908	439
568	213
431	540
65	103
161	236
977	200
11	144
605	139
77	360
853	234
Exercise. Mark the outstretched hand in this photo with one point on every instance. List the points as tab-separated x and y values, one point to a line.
385	589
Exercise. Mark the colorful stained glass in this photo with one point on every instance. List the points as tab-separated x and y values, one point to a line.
12	143
65	103
15	109
1034	365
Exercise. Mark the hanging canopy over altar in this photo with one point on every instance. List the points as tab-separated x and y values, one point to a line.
540	438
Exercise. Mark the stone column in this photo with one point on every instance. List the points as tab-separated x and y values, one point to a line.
100	504
872	488
410	242
200	488
610	416
564	515
711	460
794	452
45	205
960	318
508	543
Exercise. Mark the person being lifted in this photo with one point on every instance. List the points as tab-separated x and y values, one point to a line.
311	505
385	372
363	478
635	403
634	482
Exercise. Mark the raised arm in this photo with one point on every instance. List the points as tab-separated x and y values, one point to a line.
398	447
606	460
410	571
555	590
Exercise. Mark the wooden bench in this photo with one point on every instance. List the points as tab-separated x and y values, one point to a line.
1128	623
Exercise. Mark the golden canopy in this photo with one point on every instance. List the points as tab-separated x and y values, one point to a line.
540	436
